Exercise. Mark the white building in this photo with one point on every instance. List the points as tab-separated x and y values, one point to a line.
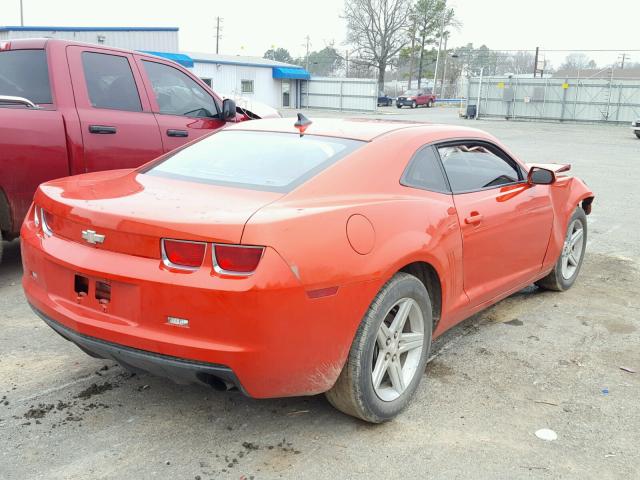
275	83
245	79
163	39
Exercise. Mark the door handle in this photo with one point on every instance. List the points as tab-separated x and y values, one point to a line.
473	219
177	133
102	129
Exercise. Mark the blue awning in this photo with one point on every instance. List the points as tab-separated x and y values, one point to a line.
181	58
293	73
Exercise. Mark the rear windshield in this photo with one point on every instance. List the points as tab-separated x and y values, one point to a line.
24	73
270	161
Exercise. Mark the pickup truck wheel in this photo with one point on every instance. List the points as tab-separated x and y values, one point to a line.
414	104
566	270
638	134
430	104
398	105
389	353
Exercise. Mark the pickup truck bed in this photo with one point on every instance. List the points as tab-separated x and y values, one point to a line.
68	108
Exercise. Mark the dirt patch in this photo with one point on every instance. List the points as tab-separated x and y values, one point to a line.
39	412
94	389
440	370
619	327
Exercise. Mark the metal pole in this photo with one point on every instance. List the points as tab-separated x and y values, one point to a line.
479	92
307	63
435	73
21	15
217	33
444	69
535	62
346	72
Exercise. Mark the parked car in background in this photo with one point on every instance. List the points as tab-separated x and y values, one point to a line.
635	126
68	108
384	100
293	261
416	98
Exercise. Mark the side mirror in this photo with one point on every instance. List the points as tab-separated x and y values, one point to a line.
228	109
540	176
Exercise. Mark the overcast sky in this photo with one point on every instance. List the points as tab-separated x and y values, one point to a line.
252	26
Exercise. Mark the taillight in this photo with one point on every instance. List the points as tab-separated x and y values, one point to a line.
236	259
182	253
45	223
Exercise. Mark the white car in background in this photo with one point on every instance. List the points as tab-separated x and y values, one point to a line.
635	126
253	108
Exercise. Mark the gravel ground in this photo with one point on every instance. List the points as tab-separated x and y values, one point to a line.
536	360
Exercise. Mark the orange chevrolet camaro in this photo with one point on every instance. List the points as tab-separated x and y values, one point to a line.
288	259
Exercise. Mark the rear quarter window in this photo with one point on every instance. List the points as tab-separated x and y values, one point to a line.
269	161
24	73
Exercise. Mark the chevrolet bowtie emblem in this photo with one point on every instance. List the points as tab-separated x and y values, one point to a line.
92	237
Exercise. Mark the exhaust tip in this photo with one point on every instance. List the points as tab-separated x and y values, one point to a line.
214	382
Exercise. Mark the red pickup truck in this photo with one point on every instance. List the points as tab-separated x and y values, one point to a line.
416	98
68	108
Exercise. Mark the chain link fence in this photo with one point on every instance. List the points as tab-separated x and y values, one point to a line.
556	99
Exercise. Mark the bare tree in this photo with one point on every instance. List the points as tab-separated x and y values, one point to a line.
577	61
377	29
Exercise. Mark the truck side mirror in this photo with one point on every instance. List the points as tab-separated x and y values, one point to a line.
228	109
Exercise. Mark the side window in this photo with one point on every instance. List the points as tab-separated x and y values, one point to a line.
474	167
24	73
424	171
177	93
110	82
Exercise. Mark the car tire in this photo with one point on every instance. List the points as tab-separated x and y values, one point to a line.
430	104
638	134
414	104
399	106
354	392
567	268
1	247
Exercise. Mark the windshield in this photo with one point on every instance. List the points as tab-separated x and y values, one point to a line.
268	161
411	92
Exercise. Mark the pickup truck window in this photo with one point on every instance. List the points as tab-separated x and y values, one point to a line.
24	73
177	94
110	82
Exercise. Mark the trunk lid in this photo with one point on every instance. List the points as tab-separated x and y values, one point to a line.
134	211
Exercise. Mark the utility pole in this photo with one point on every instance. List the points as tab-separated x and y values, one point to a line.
444	70
307	62
217	34
21	15
623	57
346	70
435	73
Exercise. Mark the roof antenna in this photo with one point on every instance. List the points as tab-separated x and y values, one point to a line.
302	123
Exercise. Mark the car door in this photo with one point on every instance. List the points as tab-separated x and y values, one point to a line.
184	109
117	124
505	222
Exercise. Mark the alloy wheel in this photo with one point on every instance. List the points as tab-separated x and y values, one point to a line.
398	349
572	249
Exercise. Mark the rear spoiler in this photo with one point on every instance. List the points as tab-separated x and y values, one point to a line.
554	167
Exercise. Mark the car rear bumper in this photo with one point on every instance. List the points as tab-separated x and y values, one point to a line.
179	370
276	339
